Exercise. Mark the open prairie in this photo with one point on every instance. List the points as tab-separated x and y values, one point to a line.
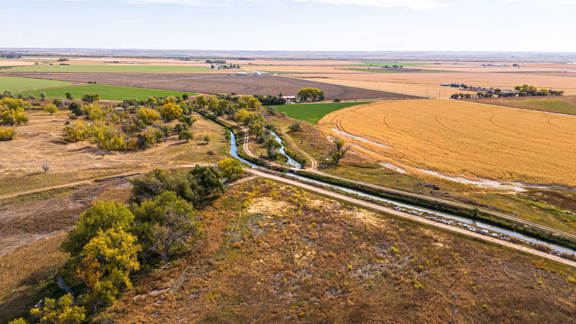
463	139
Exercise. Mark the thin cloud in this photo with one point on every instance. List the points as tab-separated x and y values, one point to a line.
406	4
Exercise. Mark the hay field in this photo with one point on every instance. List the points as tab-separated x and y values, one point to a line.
463	139
429	84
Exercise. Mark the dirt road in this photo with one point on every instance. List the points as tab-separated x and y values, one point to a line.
390	211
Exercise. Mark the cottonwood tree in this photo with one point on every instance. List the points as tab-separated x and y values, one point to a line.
105	265
165	226
103	215
230	168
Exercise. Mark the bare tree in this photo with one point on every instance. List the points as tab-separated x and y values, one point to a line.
45	166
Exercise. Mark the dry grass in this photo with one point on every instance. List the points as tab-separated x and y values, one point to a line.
462	138
296	257
41	140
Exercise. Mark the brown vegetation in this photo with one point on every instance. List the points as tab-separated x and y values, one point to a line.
275	254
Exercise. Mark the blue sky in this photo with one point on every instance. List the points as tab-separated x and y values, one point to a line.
353	25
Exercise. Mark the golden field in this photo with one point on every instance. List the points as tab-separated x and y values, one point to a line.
463	138
428	84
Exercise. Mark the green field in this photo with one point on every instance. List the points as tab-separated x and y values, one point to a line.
384	63
108	68
24	84
312	113
106	92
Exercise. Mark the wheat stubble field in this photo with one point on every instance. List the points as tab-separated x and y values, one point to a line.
463	139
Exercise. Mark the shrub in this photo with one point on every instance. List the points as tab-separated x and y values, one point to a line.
185	135
7	134
296	127
90	98
61	311
51	109
78	132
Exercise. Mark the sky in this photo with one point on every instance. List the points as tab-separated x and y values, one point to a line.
296	25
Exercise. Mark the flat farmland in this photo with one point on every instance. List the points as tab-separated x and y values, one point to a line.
24	84
463	139
562	105
106	68
214	83
429	84
312	113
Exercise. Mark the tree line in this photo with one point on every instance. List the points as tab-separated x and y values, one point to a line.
113	241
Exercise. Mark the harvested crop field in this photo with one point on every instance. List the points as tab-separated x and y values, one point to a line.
429	84
220	83
463	138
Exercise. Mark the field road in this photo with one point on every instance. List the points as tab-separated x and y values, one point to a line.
493	213
390	211
289	139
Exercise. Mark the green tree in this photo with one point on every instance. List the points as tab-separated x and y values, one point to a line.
165	226
103	215
185	135
159	180
105	264
69	96
338	151
42	95
310	94
62	311
206	183
90	98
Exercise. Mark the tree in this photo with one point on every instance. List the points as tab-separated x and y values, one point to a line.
171	111
148	115
103	215
76	109
185	135
61	311
51	109
338	151
165	226
90	98
206	183
310	94
69	96
206	139
105	264
42	96
230	168
157	181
